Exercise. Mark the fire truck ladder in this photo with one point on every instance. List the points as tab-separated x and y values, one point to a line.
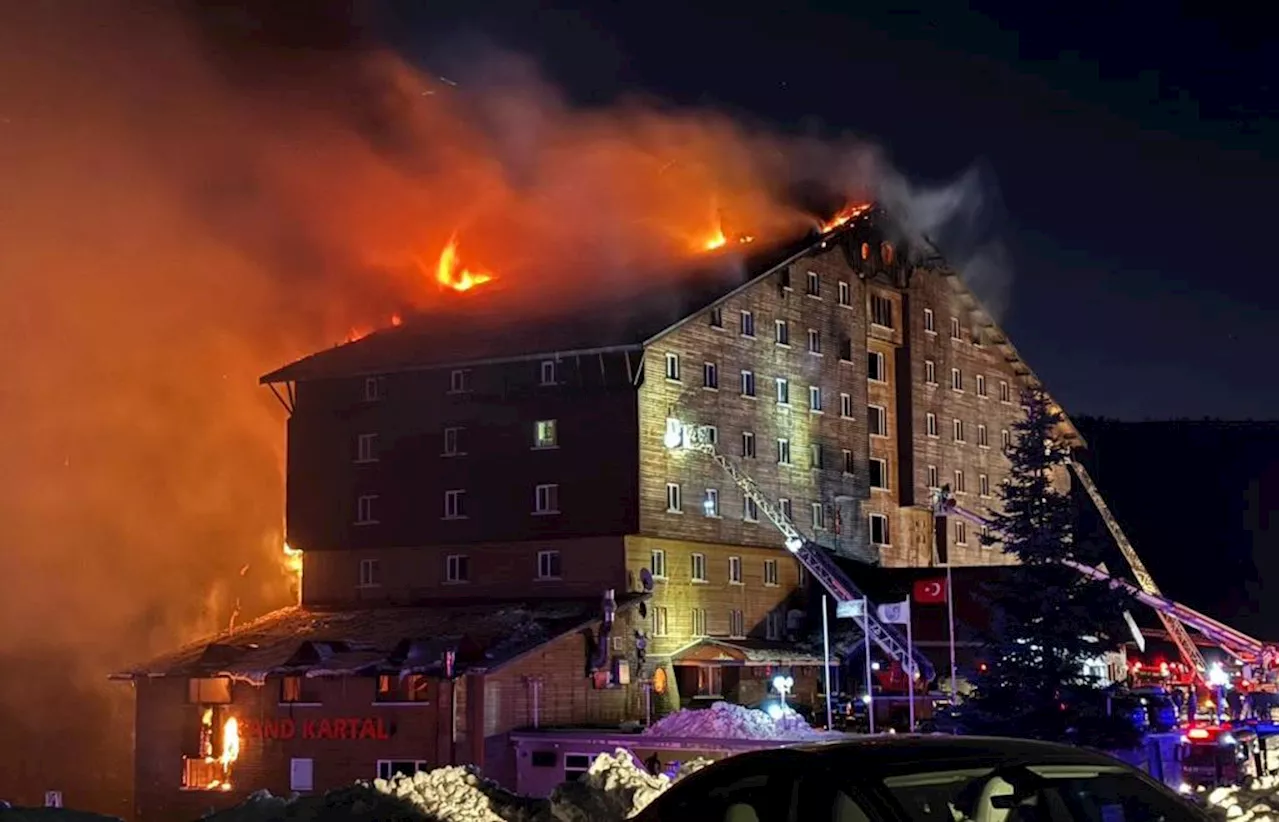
811	555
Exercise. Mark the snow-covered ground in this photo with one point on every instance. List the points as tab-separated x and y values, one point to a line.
724	720
1256	803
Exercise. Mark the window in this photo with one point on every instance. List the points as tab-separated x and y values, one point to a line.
299	690
961	533
711	503
813	284
548	372
982	436
984	486
748	384
931	424
546	499
750	511
457	568
957	430
544	434
955	328
366	448
784	452
548	565
673	367
881	311
747	324
930	373
877	421
735	570
784	279
848	461
957	380
928	321
673	498
958	480
842	292
1005	439
875	366
370	573
815	341
770	572
781	332
459	381
710	376
980	385
984	536
698	623
455	504
737	625
301	775
452	443
365	509
374	389
748	445
818	516
815	398
715	317
1004	391
932	476
211	690
773	625
388	768
846	349
783	390
784	505
698	567
879	525
879	473
846	406
659	620
397	688
658	563
815	456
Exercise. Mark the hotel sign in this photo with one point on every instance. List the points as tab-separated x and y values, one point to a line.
349	728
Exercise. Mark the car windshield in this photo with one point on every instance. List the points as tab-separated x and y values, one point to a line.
1035	793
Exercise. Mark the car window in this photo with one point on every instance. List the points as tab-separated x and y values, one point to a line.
1032	793
756	791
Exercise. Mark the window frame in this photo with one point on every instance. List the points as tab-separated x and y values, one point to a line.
846	406
782	333
771	578
452	447
814	342
735	570
551	503
815	399
930	325
747	323
784	451
671	367
931	425
550	559
366	509
369	573
747	381
543	444
675	498
698	567
711	503
878	358
366	448
813	284
884	473
887	536
548	373
710	376
455	499
782	390
457	569
459	381
844	294
658	563
930	372
881	415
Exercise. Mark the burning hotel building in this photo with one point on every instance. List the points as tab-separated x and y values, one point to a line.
495	538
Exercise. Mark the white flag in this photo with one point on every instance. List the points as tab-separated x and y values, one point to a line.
851	609
896	612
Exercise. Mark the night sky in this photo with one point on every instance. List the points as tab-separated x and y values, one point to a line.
1134	153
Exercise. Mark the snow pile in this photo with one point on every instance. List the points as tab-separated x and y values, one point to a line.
724	720
1257	803
458	794
614	788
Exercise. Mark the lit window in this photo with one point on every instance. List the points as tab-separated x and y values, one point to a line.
784	452
980	385
452	442
748	384
748	445
843	292
783	390
546	499
548	565
673	498
548	372
455	504
931	424
815	341
750	511
366	513
930	373
459	381
366	448
457	568
875	366
813	284
957	380
879	474
711	503
932	477
370	573
881	311
818	516
544	434
877	421
698	567
735	570
673	367
658	563
770	572
879	526
747	324
781	332
957	430
301	774
928	321
710	376
815	398
846	406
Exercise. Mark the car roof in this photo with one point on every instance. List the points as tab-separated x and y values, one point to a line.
888	752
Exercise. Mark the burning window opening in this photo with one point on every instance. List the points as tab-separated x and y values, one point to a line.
207	772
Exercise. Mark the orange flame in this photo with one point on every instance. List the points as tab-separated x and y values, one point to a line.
293	565
715	241
845	214
450	274
230	746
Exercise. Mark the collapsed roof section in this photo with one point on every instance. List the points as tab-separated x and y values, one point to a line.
298	641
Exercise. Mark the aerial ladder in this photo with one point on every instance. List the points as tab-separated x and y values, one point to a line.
815	559
1175	616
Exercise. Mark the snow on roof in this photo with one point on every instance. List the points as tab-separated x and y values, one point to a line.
298	640
750	652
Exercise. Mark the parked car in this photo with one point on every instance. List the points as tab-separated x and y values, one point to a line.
902	778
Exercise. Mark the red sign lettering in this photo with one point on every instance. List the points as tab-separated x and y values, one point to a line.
348	728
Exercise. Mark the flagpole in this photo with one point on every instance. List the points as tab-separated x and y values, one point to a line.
826	659
911	679
951	632
866	644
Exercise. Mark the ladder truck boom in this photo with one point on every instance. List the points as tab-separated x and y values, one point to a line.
811	555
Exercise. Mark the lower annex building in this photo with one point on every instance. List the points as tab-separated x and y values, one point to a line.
495	537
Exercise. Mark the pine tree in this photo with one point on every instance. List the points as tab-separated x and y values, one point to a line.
1047	619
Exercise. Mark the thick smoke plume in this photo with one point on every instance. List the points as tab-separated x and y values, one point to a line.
191	198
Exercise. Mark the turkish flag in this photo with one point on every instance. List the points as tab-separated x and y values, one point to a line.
930	591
